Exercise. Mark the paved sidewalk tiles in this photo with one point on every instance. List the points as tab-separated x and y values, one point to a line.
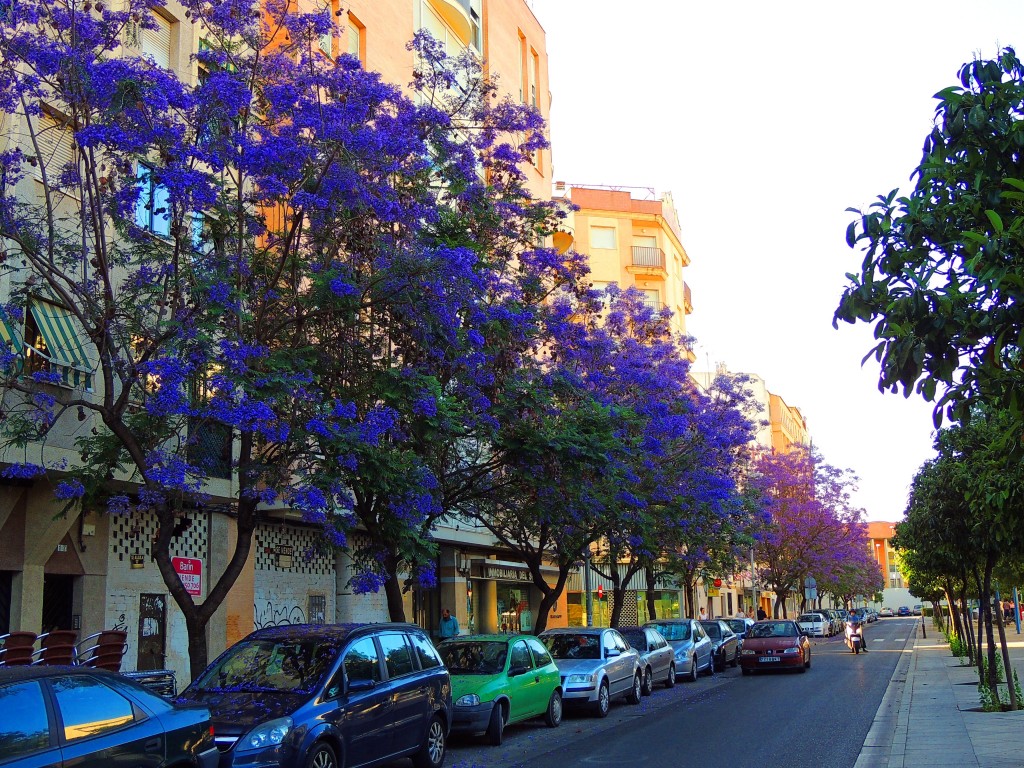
925	717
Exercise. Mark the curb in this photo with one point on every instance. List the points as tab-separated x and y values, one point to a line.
887	736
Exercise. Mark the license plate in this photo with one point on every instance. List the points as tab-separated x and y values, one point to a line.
767	658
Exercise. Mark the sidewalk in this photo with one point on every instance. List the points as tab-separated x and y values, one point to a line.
926	719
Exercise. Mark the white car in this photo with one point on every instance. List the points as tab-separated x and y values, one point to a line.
814	624
886	613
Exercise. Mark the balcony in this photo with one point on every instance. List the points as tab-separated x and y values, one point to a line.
648	257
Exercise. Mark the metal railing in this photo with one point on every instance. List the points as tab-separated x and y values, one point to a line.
645	256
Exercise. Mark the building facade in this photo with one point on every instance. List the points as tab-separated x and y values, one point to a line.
897	589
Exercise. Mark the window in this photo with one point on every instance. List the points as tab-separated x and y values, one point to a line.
356	38
540	653
156	43
88	707
317	609
534	77
523	86
520	656
397	657
602	237
24	728
56	148
651	299
361	662
153	206
425	652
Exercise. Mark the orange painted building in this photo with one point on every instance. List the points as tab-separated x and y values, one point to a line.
505	34
879	534
631	241
788	425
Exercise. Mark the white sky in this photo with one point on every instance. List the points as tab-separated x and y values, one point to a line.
766	121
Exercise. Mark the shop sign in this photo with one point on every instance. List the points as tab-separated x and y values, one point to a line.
190	571
714	592
285	555
504	573
137	560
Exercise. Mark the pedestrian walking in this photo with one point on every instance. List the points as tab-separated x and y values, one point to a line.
761	615
449	626
703	613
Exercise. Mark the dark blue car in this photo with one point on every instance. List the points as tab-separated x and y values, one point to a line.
325	696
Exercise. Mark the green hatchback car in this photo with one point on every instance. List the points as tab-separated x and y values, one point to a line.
498	680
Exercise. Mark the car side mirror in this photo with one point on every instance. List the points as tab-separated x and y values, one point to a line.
516	671
355	686
612	652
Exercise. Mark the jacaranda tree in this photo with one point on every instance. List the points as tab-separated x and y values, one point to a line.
228	253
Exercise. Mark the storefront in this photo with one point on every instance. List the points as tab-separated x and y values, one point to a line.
635	609
501	597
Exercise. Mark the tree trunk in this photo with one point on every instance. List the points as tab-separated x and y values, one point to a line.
393	589
968	626
550	594
198	652
652	605
780	605
1014	704
986	611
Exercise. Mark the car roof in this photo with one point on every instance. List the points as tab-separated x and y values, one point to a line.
334	631
493	637
575	630
14	674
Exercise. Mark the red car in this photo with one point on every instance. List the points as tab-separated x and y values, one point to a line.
775	645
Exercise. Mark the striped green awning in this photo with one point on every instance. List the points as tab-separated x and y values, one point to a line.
9	338
63	345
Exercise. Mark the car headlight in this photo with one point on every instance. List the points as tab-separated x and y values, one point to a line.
792	650
581	678
748	652
680	655
268	734
469	700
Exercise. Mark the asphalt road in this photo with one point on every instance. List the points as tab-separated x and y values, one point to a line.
770	719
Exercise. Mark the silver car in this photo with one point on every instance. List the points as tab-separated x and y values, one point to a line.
596	664
657	659
692	646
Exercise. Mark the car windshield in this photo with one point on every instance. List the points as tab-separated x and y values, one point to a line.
568	646
674	631
635	638
714	631
773	629
286	666
739	626
474	658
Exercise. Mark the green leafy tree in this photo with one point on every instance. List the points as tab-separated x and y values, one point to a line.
942	273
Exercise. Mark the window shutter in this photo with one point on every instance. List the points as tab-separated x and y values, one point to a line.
56	147
156	43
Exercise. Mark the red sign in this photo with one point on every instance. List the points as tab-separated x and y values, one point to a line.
718	582
190	571
600	591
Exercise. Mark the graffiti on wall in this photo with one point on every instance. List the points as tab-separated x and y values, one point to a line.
121	623
277	615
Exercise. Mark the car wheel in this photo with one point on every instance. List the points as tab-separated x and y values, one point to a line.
634	696
671	681
496	726
735	659
553	717
431	754
321	756
604	700
647	688
692	677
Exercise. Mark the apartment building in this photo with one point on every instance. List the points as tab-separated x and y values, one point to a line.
95	571
632	238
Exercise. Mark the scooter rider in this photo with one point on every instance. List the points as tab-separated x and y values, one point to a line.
855	624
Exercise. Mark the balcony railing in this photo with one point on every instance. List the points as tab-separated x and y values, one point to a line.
644	256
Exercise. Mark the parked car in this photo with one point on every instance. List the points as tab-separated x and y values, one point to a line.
903	611
886	613
657	659
916	610
725	646
872	615
498	680
775	644
327	696
814	624
94	717
740	627
596	665
693	648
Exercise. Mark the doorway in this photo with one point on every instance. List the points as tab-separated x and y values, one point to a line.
58	601
152	631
